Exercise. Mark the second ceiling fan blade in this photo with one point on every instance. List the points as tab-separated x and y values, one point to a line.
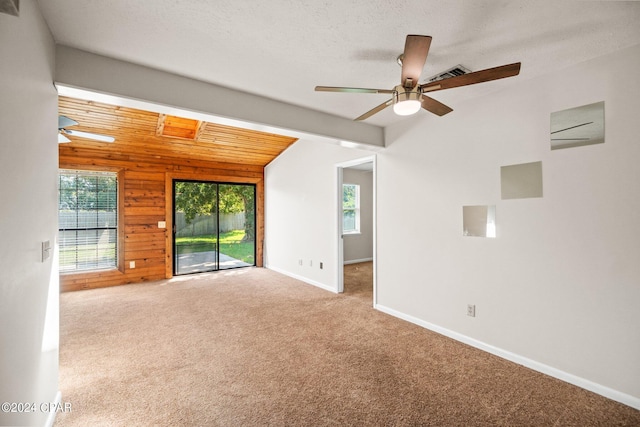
374	110
64	121
416	49
473	78
351	89
89	135
62	139
435	107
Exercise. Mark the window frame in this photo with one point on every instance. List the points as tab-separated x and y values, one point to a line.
356	209
120	228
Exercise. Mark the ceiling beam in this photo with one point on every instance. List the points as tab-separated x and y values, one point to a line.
87	71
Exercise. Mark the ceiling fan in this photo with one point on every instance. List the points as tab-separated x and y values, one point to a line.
409	96
64	122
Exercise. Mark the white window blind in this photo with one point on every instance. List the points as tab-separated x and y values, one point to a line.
88	220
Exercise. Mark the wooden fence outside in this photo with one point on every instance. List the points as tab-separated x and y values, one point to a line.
205	224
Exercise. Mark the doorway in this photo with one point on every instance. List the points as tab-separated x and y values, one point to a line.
213	226
356	191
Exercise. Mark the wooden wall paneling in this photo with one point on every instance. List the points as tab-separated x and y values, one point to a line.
148	253
147	165
168	194
200	130
139	228
120	245
160	127
155	243
145	211
259	223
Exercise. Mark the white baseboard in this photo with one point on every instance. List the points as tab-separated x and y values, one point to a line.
607	392
303	279
356	261
52	414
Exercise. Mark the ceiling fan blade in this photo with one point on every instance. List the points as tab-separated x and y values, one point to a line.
473	78
89	135
351	89
62	139
375	110
416	49
64	121
435	107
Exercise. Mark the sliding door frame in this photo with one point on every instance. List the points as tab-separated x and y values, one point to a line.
220	179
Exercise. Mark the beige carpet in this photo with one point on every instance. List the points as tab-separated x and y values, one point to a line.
251	347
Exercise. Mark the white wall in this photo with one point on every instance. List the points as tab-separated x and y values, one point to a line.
558	289
28	172
560	284
359	246
301	211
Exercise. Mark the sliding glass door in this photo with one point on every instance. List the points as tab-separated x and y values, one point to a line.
237	216
214	226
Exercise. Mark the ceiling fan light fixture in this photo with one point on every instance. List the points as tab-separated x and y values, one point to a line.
406	108
406	103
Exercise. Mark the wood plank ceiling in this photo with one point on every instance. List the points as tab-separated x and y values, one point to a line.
163	136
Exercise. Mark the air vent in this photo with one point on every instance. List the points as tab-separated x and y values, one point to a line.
458	70
10	7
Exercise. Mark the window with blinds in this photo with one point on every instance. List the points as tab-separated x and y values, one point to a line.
88	220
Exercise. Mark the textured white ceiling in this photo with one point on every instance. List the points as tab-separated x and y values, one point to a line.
282	49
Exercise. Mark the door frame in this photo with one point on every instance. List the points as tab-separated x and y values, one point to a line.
167	222
339	237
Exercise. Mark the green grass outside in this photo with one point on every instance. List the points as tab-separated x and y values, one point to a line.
231	244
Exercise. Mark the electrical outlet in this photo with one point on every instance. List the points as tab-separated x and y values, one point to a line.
310	263
132	264
299	262
471	310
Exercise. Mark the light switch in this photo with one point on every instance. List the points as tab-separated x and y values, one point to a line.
162	224
132	264
46	250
